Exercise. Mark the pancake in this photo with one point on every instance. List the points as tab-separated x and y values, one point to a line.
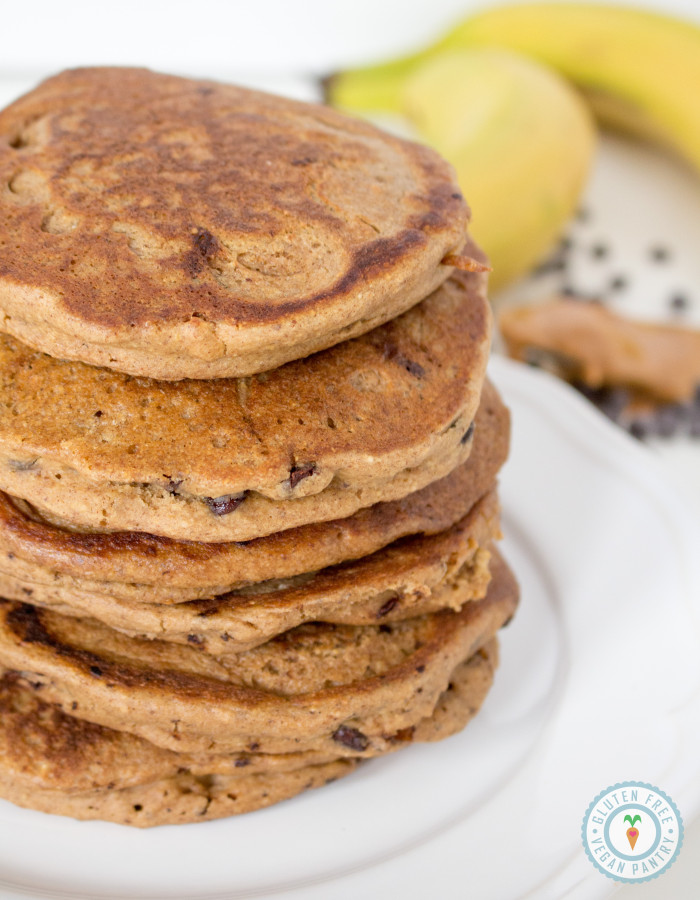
371	420
128	565
412	577
59	764
331	688
175	228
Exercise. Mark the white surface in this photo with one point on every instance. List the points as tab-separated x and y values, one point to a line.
600	682
233	35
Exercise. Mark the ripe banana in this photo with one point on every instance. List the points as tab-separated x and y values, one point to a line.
520	139
639	70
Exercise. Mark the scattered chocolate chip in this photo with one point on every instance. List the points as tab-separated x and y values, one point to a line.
110	786
659	254
420	669
254	746
241	762
172	485
456	196
599	251
669	419
98	413
392	352
679	303
137	807
467	434
351	737
303	161
74	706
27	591
618	283
222	506
195	639
206	243
555	264
225	637
22	465
639	428
96	670
387	607
385	629
299	473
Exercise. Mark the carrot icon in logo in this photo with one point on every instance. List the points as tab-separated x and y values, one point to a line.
632	832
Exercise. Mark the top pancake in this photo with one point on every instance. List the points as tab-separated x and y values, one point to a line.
175	228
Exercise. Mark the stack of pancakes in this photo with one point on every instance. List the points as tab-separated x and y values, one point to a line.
247	449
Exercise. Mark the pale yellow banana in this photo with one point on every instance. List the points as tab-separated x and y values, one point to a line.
520	139
640	70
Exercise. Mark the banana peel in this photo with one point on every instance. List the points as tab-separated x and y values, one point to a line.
520	139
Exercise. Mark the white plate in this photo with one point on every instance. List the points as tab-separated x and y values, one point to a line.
599	683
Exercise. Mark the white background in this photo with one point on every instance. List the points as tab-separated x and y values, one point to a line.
250	41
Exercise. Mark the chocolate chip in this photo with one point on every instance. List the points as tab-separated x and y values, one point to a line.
137	807
456	196
669	419
679	303
241	762
254	746
303	161
467	434
206	243
385	629
74	706
387	607
172	485
195	639
420	669
96	670
225	637
659	254
392	352
299	473
98	413
351	737
222	506
618	283
639	429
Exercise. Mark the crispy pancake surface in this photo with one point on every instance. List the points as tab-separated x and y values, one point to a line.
372	419
128	564
59	764
409	578
318	687
175	228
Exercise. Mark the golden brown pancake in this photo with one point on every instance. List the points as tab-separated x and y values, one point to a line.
331	688
129	565
409	578
370	420
175	228
59	764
